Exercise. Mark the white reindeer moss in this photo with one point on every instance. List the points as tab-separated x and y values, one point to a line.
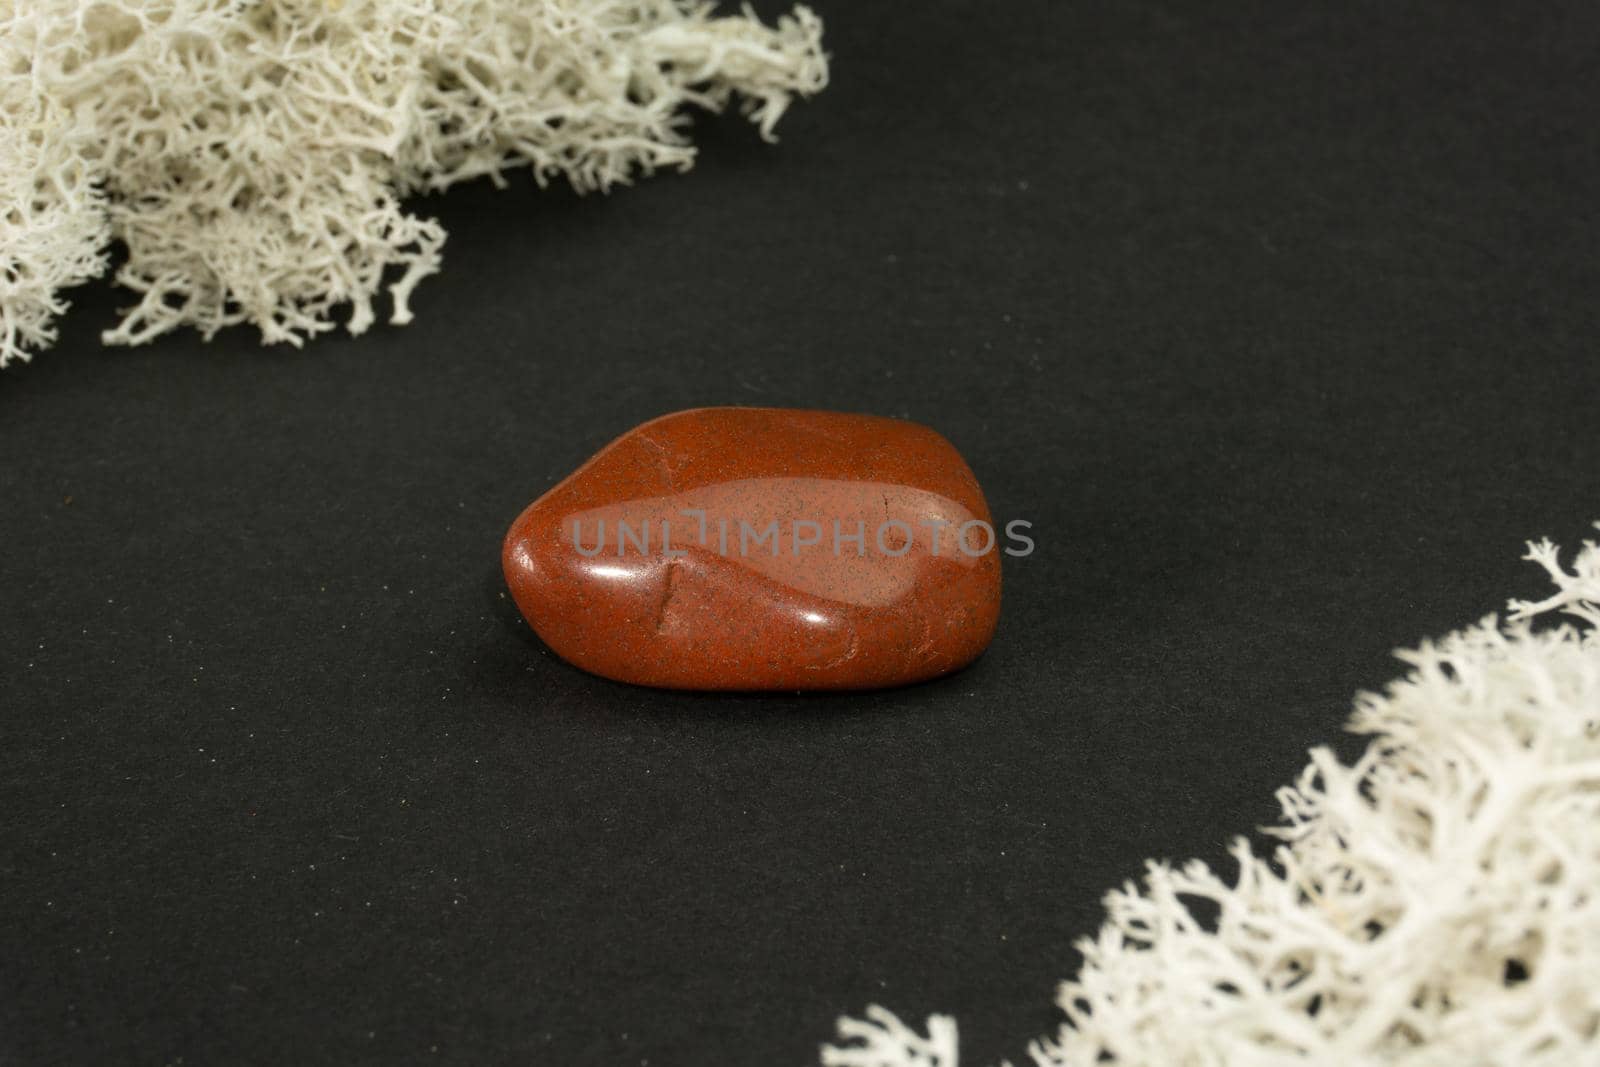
1437	903
251	155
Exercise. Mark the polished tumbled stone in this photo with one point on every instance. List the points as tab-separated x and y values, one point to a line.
762	548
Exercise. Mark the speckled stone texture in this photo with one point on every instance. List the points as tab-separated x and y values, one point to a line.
762	548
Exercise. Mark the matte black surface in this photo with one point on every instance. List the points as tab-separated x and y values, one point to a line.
1278	321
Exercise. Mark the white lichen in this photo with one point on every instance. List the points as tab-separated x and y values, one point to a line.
882	1040
252	155
1436	903
53	229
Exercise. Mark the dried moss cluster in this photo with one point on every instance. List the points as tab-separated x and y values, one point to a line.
252	155
1436	903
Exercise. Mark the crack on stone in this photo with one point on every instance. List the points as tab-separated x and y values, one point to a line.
844	657
668	589
661	457
849	653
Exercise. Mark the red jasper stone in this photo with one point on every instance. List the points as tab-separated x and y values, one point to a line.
762	548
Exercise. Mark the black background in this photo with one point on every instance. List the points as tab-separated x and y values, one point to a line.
1278	320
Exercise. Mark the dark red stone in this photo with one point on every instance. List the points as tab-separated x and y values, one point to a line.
725	612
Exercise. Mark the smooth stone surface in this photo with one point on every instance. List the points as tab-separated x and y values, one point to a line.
733	610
